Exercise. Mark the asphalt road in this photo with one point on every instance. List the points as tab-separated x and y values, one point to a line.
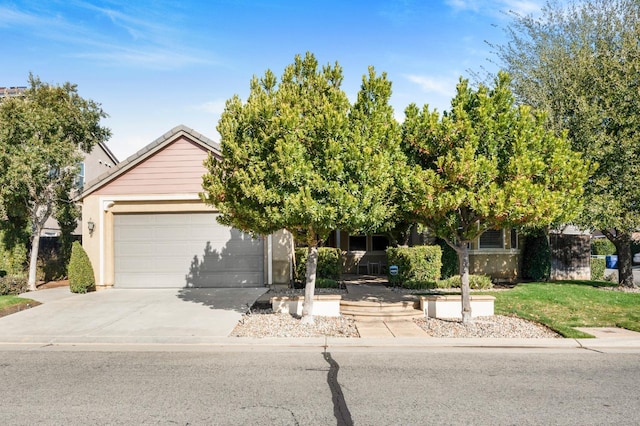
309	387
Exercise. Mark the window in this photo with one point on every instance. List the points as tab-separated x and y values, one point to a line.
491	238
514	239
379	243
80	177
357	243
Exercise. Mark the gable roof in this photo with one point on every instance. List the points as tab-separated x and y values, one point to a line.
107	151
148	151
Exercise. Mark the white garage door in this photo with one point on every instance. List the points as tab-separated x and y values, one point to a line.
184	250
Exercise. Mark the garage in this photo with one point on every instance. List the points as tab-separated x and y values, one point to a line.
175	250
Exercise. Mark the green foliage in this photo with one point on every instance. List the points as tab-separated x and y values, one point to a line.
489	164
81	277
597	269
297	156
536	256
580	61
327	283
476	282
51	265
416	265
602	247
13	254
450	264
12	285
41	135
329	264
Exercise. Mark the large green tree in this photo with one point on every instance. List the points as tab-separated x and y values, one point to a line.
297	156
487	165
580	61
42	135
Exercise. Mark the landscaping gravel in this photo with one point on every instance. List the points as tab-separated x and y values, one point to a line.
265	323
497	326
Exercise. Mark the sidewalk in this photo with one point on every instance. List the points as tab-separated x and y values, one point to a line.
170	320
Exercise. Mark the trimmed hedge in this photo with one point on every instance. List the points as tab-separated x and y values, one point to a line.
81	277
329	264
597	269
602	247
416	265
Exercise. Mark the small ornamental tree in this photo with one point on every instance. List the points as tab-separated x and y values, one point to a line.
81	277
42	135
297	156
489	165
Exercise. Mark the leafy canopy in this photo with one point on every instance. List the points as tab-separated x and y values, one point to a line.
297	156
580	61
489	164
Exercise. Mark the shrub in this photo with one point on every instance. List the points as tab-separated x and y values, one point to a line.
597	269
450	264
12	256
81	278
327	283
602	247
476	282
415	264
329	264
536	258
12	285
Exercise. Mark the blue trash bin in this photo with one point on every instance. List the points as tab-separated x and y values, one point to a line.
611	261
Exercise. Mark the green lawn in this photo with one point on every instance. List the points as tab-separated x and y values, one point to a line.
564	305
6	302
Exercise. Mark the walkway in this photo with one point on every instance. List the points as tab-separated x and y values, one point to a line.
372	289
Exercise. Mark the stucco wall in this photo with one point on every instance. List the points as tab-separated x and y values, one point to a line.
501	265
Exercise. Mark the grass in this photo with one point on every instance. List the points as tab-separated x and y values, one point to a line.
10	304
562	306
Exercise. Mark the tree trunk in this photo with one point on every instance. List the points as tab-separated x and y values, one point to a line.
310	286
33	259
463	262
622	241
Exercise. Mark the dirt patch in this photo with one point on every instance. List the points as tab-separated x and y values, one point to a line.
53	284
8	310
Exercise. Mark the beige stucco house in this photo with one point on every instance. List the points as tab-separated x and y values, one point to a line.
145	226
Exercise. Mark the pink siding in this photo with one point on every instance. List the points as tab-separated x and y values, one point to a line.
177	168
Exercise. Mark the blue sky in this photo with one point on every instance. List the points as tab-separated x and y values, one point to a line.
156	64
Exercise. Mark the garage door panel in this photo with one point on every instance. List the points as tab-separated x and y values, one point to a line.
184	249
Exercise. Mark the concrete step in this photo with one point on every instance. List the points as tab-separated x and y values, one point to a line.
371	311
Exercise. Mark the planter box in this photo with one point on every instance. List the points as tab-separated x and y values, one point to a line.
324	305
450	306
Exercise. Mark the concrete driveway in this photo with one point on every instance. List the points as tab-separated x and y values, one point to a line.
129	316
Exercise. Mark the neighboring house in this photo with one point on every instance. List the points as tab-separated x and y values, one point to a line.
144	225
95	163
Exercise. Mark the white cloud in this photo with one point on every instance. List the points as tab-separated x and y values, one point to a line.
496	7
215	107
439	85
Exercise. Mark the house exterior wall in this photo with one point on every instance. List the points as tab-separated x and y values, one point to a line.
178	168
281	249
